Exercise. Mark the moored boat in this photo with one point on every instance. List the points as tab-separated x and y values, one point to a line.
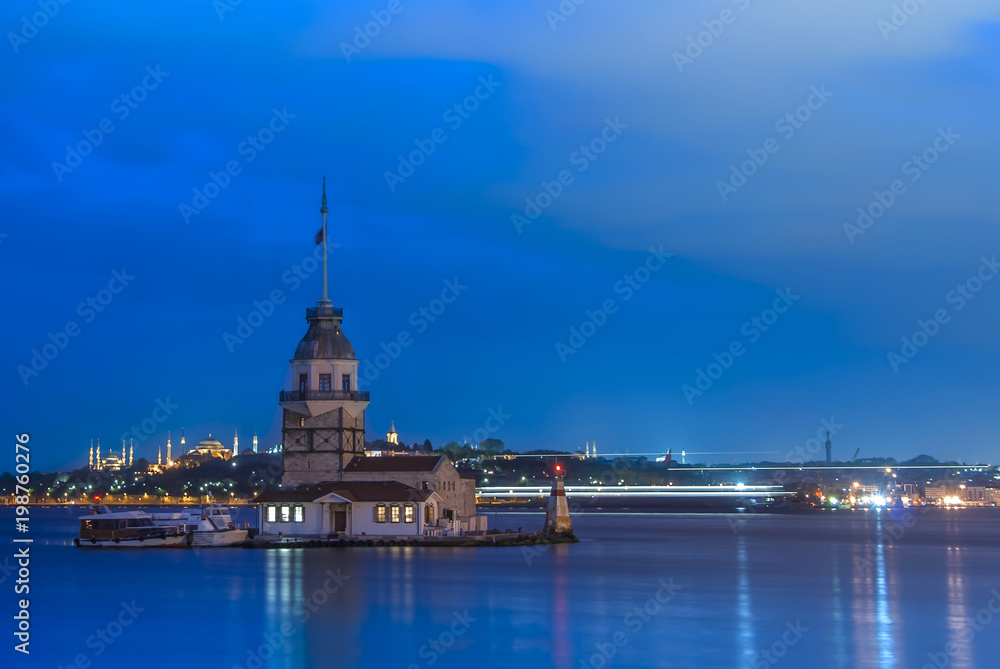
211	525
104	528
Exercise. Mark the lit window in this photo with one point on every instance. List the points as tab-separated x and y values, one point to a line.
324	382
380	513
429	513
408	513
394	513
284	513
299	514
272	513
345	381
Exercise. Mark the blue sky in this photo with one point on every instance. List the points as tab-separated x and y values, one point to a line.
659	133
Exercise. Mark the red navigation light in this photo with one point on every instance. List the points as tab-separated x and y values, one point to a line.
558	468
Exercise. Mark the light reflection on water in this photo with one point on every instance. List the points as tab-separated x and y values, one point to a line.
894	604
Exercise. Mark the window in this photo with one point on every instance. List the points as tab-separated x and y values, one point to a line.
298	513
380	513
271	512
429	513
345	382
408	513
394	513
424	485
303	383
284	513
324	382
302	422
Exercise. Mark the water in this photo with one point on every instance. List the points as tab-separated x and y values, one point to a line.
833	589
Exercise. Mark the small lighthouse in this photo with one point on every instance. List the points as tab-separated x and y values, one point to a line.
557	515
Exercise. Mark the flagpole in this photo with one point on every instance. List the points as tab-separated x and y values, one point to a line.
323	210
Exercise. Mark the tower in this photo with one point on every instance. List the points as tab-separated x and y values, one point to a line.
593	449
123	452
829	449
131	451
255	442
159	453
588	449
323	426
557	519
391	435
98	453
236	443
91	465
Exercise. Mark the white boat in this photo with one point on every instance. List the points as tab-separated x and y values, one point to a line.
103	528
211	525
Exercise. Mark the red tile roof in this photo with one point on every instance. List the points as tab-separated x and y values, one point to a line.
400	463
355	491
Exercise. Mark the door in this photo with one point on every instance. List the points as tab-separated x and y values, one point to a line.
340	521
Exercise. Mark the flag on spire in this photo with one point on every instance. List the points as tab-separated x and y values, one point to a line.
323	210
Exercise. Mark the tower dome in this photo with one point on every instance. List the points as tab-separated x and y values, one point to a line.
324	340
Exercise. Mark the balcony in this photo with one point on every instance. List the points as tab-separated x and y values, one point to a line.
319	395
326	311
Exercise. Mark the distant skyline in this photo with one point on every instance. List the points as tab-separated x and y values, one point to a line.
703	227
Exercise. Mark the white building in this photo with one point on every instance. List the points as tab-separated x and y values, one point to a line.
352	508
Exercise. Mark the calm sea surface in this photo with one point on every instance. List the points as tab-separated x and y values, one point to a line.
826	589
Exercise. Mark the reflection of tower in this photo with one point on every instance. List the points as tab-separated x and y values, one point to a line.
236	443
391	435
91	465
255	441
323	427
829	449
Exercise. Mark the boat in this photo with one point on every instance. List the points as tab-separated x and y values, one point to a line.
210	525
103	528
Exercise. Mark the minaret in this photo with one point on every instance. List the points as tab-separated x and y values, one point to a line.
99	453
123	452
168	448
131	451
829	449
255	442
593	449
391	435
236	443
91	454
323	422
159	453
588	450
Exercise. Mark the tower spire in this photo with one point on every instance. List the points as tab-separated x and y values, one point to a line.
323	210
91	453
